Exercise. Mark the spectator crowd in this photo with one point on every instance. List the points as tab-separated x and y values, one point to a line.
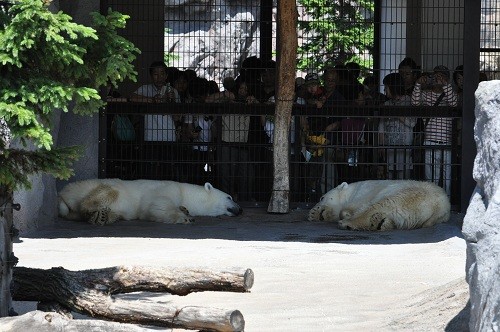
328	147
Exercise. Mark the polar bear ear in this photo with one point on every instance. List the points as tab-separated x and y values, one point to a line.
208	186
343	185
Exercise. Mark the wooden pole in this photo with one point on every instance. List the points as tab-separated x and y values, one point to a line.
286	63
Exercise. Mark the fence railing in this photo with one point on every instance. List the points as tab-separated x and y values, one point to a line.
230	145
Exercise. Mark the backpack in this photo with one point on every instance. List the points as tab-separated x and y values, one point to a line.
122	128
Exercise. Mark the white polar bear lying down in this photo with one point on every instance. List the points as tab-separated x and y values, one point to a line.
379	205
104	201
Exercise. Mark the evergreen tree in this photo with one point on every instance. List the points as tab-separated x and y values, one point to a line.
337	31
48	63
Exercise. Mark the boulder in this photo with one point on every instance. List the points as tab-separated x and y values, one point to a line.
219	35
481	227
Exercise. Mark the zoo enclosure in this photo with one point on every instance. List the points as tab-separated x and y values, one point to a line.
214	39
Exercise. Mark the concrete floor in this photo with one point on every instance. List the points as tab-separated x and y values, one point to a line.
308	276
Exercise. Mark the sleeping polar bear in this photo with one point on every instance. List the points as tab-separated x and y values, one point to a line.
104	201
380	205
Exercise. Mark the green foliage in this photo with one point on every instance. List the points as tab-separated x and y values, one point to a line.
48	62
16	164
337	32
168	57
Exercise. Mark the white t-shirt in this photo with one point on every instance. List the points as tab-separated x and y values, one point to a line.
269	126
158	127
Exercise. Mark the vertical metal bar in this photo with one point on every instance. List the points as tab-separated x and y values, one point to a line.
413	29
377	19
472	28
266	29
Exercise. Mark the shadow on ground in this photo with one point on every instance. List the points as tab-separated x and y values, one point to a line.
255	224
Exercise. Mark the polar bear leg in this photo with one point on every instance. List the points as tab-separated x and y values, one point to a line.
325	213
168	213
373	217
96	205
369	220
436	219
395	212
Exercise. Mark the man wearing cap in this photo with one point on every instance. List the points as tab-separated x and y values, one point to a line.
314	89
434	89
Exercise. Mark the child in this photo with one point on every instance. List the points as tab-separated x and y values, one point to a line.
396	130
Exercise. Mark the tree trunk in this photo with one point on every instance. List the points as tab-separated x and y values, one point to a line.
7	258
287	57
90	292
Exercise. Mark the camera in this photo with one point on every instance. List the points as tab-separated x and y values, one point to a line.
430	79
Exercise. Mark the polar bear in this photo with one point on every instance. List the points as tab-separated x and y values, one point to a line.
380	205
104	201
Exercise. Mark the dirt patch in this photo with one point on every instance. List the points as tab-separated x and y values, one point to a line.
442	308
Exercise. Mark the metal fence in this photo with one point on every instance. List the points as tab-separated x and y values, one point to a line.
234	152
210	48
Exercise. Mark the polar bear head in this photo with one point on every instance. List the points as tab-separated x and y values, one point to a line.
331	205
212	202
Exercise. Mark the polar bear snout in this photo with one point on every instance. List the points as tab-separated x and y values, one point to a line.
234	210
343	224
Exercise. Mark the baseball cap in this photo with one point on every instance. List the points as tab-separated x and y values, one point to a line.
311	78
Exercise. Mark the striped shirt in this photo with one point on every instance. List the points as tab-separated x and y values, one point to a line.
437	129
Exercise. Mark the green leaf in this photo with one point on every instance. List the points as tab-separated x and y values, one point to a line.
49	63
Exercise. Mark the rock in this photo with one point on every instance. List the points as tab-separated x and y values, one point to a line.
481	227
219	35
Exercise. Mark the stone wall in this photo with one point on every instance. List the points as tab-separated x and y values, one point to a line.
481	227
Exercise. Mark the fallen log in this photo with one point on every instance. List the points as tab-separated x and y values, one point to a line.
127	279
50	321
53	306
91	292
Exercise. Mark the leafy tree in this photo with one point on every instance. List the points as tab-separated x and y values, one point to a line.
337	31
169	57
48	62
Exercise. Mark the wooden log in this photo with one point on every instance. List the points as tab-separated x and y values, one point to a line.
56	307
90	292
40	321
126	279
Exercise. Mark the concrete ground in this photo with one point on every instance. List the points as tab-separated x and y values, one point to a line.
309	276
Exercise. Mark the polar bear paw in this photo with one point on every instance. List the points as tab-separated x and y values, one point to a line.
375	222
316	214
346	214
99	217
185	218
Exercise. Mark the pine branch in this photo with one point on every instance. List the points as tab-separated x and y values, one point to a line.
16	165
